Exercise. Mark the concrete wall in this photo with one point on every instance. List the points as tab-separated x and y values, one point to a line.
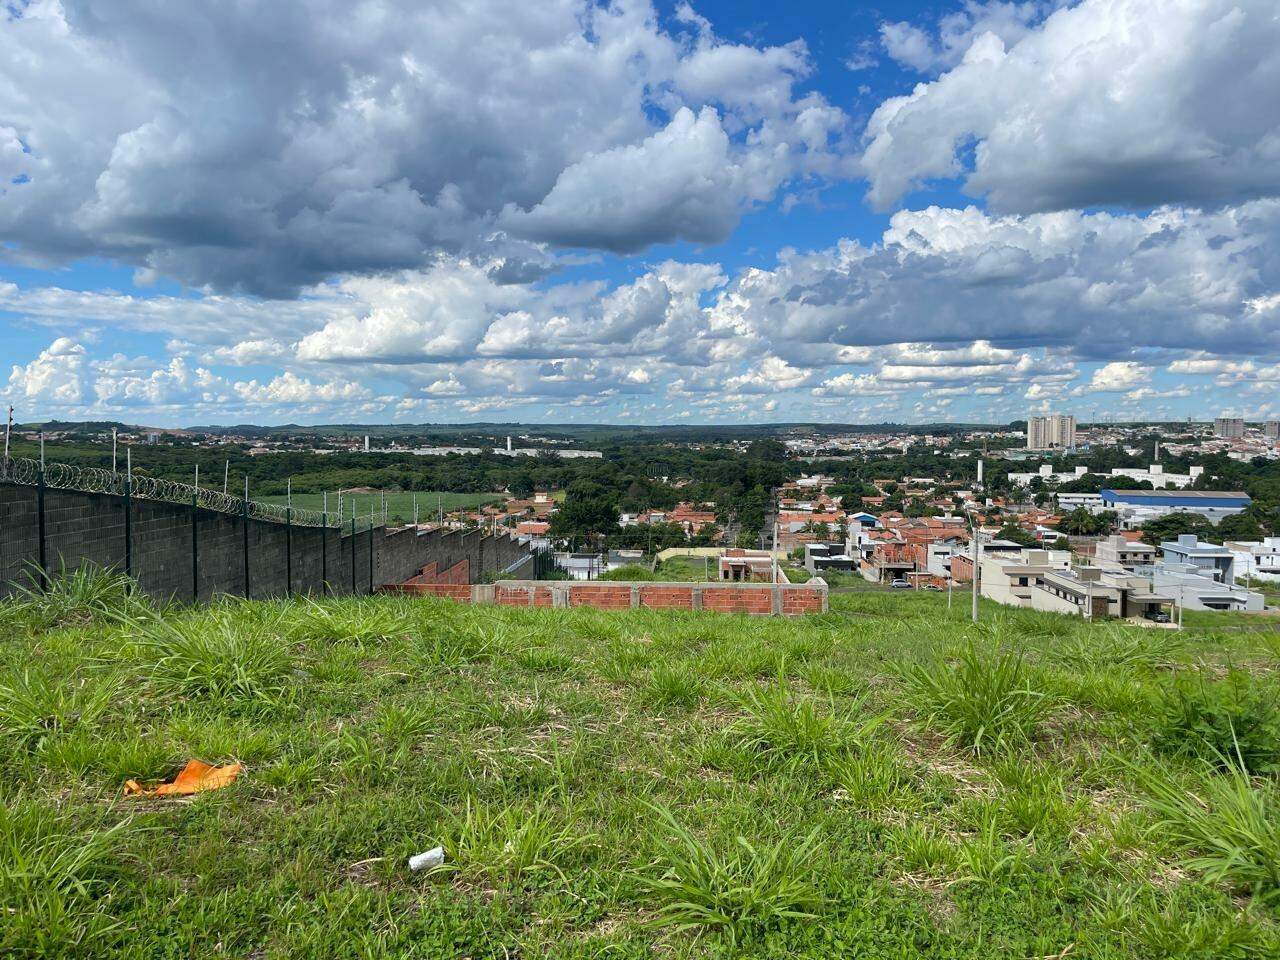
89	528
763	599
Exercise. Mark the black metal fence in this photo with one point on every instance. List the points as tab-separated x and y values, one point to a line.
177	540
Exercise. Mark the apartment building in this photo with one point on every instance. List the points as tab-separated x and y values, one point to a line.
1053	432
1228	428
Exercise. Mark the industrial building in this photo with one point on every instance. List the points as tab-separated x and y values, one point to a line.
1136	507
1154	475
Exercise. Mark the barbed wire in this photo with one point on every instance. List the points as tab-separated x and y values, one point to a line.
64	476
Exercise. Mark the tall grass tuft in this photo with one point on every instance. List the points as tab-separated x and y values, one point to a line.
515	842
33	708
673	685
782	729
745	890
1119	647
217	660
1224	722
985	705
358	621
51	873
83	595
1231	825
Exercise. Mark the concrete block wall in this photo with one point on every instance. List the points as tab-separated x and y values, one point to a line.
759	599
89	528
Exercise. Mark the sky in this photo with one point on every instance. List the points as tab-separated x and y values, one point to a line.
639	212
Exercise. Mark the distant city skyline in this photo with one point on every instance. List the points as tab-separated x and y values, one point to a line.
651	213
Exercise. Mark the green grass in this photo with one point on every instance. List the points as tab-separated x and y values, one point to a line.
399	505
885	780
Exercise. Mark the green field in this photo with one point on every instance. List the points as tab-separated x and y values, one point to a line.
399	505
886	780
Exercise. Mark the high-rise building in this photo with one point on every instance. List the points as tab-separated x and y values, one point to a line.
1053	432
1271	429
1228	428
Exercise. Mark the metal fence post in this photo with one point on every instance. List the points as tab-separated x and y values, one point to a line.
245	525
44	560
288	539
353	553
195	541
288	551
370	553
128	514
324	555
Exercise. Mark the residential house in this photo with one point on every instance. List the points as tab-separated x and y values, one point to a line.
1120	551
1258	559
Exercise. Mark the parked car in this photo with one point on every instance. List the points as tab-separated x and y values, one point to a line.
900	585
1157	616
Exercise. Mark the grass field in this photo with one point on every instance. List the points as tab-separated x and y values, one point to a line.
886	780
399	505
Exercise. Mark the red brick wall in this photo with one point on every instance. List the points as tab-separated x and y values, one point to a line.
667	596
453	591
459	573
796	600
738	600
605	596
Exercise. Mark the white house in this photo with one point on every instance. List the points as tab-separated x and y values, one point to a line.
1073	501
1259	560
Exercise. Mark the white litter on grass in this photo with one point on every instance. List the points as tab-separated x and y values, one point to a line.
426	861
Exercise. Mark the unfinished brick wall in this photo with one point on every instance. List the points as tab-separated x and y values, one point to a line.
791	599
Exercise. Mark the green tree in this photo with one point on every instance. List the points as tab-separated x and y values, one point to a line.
1173	525
1080	522
1015	534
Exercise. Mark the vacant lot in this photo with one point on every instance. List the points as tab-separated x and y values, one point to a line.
399	505
883	781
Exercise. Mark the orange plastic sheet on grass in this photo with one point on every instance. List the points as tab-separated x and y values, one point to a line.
195	777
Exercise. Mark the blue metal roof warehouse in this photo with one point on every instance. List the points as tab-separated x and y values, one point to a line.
1176	498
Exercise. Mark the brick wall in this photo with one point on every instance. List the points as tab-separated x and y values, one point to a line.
762	599
89	528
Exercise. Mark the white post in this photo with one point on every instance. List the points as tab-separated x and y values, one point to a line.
415	509
976	552
288	494
775	551
113	451
197	483
8	427
128	460
226	472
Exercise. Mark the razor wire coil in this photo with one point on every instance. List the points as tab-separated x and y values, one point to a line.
63	476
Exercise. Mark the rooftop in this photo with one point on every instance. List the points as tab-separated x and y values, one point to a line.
1178	494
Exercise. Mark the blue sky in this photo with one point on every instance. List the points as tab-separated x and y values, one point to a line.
639	213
